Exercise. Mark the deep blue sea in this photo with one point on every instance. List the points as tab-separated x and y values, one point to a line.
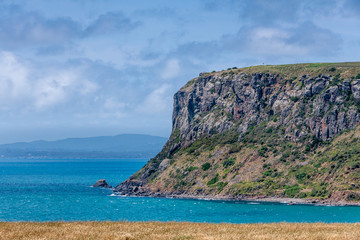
60	191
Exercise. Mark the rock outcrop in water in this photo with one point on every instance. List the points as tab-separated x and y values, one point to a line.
102	183
258	132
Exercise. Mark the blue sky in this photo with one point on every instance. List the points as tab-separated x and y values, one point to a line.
93	67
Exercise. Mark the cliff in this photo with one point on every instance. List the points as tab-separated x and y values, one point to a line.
259	132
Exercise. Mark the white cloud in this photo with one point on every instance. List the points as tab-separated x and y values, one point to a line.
13	80
272	41
113	104
171	69
159	100
114	108
24	86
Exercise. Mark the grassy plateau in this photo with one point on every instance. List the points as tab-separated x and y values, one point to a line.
176	230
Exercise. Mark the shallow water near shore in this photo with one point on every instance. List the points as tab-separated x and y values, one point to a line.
60	191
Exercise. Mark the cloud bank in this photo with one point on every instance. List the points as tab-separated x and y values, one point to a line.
112	68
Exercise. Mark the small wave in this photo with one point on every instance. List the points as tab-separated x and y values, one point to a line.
253	203
117	195
207	199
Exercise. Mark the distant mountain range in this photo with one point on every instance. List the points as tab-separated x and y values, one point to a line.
119	146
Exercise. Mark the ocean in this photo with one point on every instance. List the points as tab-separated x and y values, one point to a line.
61	191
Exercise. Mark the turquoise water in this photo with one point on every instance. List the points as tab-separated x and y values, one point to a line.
60	191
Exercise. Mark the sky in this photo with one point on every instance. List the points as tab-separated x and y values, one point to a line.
79	68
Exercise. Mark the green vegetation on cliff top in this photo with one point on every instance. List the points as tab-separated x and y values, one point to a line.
346	69
294	71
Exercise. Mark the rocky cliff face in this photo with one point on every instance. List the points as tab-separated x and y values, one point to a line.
230	120
215	103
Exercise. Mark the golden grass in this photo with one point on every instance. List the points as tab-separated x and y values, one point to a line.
183	230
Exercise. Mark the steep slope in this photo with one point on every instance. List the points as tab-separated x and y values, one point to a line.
258	132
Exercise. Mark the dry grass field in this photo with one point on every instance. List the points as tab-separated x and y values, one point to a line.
159	231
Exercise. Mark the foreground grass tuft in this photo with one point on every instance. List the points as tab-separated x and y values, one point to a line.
171	230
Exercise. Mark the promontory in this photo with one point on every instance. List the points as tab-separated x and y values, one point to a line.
262	132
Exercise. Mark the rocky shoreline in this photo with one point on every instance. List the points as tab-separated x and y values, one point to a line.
288	201
138	188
